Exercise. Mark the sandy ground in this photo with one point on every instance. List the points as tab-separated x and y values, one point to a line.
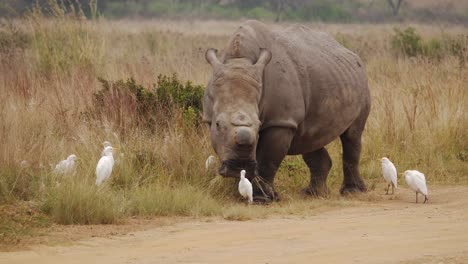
389	231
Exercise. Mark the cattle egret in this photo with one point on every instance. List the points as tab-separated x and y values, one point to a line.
66	166
417	182
209	161
104	166
389	173
24	164
245	187
105	144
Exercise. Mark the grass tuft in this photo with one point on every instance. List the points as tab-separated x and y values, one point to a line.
75	202
182	200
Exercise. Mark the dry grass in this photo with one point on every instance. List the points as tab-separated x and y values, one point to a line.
418	119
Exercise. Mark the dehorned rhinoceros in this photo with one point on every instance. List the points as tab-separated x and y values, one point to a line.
278	92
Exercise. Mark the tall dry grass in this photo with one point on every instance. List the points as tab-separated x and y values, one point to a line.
49	69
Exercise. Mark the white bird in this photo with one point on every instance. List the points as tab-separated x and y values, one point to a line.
210	160
66	166
105	144
245	187
24	164
417	182
389	173
104	166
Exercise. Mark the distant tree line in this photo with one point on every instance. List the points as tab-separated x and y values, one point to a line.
273	10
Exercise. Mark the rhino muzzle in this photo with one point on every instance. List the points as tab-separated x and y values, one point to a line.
232	168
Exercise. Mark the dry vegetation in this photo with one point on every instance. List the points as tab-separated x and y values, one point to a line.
49	70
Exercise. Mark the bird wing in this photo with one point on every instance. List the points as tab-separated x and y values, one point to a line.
70	166
394	175
389	173
60	167
103	169
249	191
410	182
245	188
420	182
242	189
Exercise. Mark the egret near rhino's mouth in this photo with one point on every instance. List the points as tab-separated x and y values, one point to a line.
232	168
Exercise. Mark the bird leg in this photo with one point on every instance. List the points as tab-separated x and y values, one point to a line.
416	197
393	189
388	187
425	199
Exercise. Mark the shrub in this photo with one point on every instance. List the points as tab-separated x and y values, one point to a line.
408	42
433	49
126	102
171	92
458	47
12	39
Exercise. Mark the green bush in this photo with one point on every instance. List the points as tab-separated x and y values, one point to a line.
408	42
411	44
458	47
172	92
149	106
12	39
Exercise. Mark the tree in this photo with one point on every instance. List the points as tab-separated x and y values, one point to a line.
395	6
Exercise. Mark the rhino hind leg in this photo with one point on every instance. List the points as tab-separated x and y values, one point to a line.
351	143
273	145
319	163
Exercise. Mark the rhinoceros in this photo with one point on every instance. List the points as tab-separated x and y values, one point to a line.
285	91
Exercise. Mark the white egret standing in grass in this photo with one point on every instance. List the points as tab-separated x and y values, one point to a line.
417	182
104	166
389	173
245	187
209	161
66	166
105	144
24	164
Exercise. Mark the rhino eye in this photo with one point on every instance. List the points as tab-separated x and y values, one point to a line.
217	124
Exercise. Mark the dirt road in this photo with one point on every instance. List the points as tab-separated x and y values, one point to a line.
390	231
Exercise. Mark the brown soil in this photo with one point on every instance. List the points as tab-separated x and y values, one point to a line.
394	230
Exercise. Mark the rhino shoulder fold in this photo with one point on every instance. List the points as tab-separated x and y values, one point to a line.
286	123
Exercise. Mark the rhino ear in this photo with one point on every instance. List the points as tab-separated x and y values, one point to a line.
211	58
264	58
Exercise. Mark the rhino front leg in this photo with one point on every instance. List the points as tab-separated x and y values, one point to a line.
351	143
319	163
273	145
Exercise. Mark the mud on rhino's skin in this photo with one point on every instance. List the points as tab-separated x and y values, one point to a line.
278	92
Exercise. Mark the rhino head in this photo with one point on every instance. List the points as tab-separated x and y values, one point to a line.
231	110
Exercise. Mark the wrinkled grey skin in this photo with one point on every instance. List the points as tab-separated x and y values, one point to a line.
286	92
